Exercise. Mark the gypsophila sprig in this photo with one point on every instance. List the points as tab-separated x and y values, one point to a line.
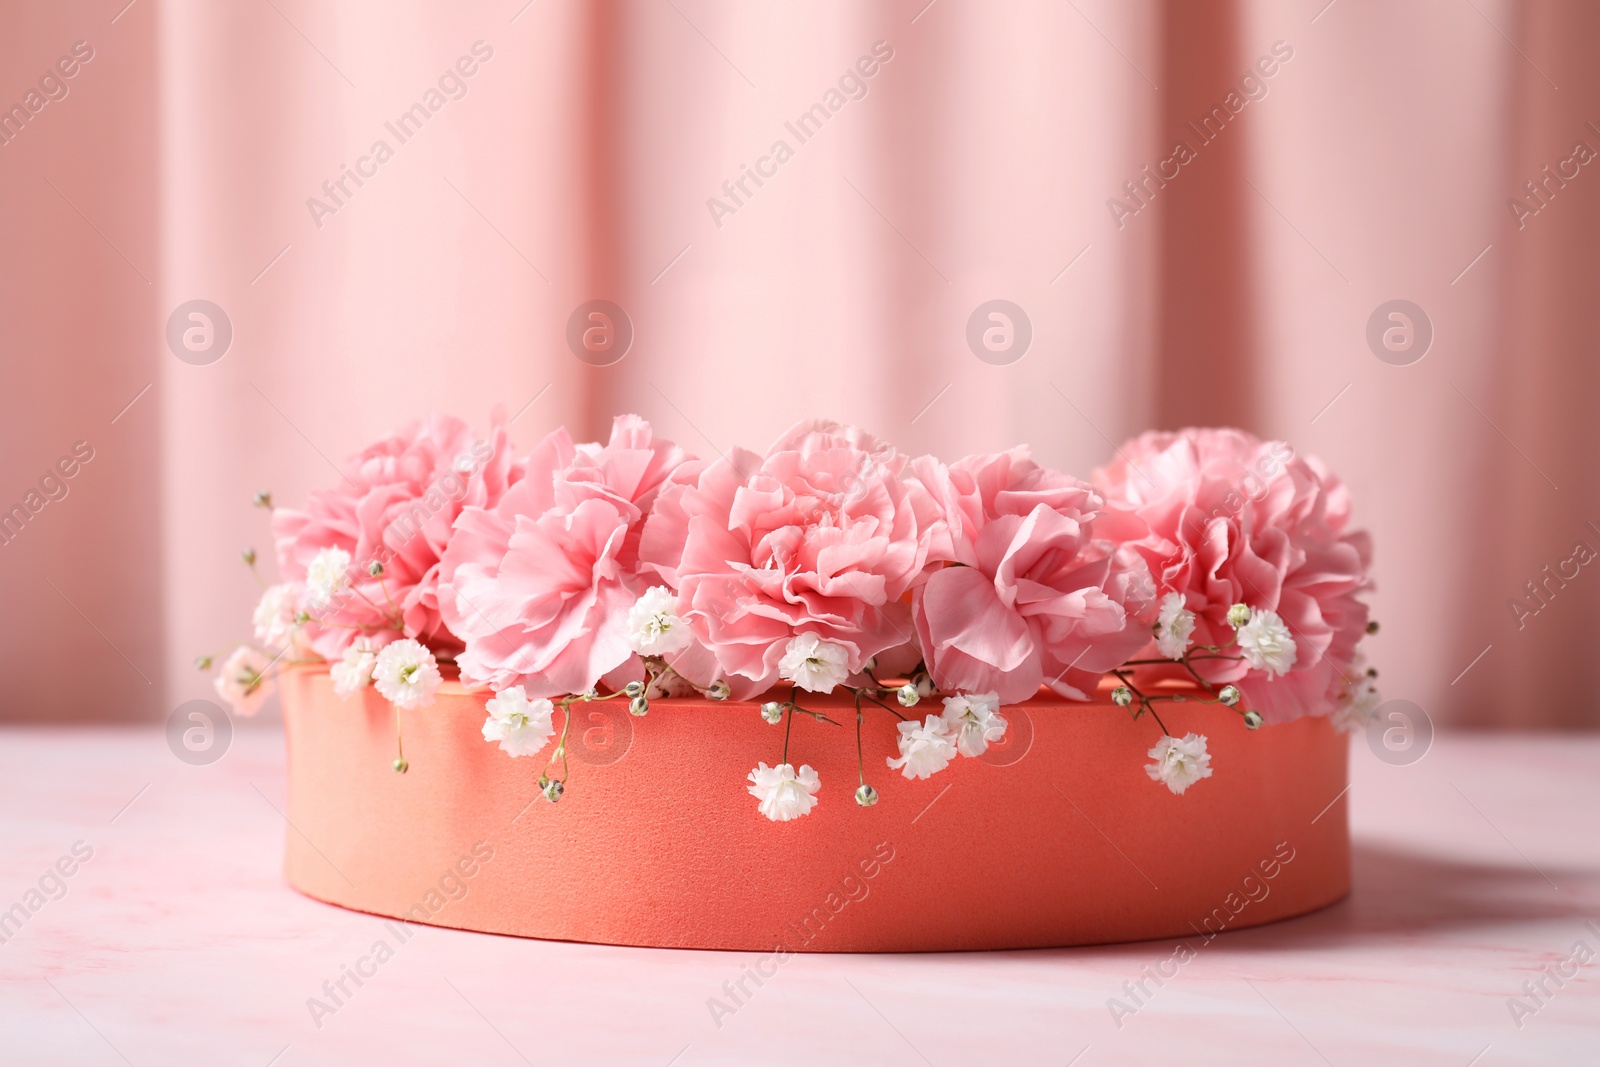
406	674
783	792
521	726
243	681
926	748
354	671
327	576
654	626
1179	762
815	665
974	721
1174	627
1266	643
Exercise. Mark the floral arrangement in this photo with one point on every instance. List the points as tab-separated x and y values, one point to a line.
631	570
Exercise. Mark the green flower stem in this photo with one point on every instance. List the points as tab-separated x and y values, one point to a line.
561	745
398	622
218	654
581	699
866	694
366	627
1146	703
1190	668
814	714
383	580
788	725
861	770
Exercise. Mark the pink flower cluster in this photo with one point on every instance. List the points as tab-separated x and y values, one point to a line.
393	512
538	586
832	554
1231	519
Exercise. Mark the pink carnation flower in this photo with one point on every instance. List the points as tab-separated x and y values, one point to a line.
821	536
395	504
539	586
1038	594
1236	520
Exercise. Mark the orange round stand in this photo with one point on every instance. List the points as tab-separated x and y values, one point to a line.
1055	837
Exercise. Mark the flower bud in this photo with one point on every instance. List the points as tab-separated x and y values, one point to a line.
634	689
1238	615
907	695
772	711
1230	695
638	705
375	568
866	796
720	690
202	663
590	694
923	683
1252	720
400	766
302	617
553	790
249	557
263	499
1122	696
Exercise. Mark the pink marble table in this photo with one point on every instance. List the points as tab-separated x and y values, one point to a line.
177	942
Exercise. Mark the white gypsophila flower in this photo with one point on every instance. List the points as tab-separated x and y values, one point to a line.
406	674
1359	705
654	626
275	614
243	681
1179	763
973	721
522	726
670	684
327	576
783	792
926	748
813	664
1174	627
1266	644
1359	701
354	670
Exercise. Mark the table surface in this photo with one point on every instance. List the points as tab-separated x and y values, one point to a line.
1477	870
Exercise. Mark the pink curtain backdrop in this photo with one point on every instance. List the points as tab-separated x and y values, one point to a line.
978	165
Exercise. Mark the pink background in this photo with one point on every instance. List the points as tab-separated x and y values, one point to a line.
978	166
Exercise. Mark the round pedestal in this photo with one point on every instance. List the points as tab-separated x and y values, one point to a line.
1056	837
